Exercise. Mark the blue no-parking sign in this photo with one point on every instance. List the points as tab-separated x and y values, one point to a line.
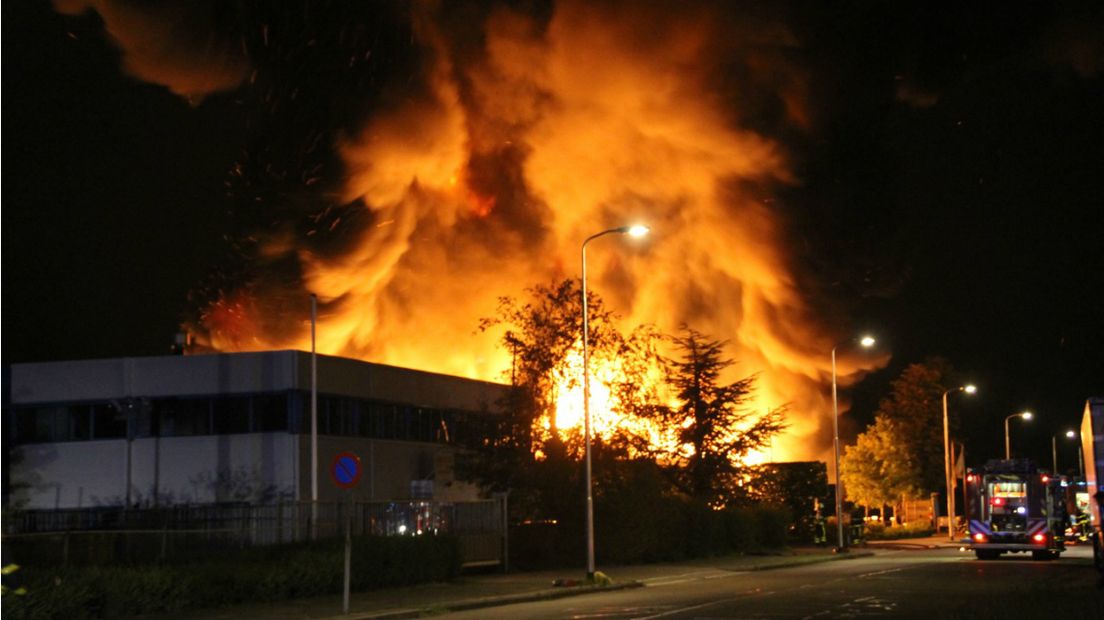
346	470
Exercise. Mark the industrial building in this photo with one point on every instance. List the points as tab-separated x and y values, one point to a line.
198	429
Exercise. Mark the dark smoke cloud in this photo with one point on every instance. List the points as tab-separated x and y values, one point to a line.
191	48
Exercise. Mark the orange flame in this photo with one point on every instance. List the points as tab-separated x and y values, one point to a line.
600	117
605	405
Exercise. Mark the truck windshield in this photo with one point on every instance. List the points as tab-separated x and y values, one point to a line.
1007	489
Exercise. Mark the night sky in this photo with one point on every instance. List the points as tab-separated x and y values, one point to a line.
950	195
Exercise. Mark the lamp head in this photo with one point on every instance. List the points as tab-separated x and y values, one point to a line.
867	341
1071	434
1027	415
969	388
636	230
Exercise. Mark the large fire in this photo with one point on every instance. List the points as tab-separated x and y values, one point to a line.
517	138
605	405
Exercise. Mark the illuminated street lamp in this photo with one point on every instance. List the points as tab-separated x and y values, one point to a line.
633	231
1070	434
1027	415
866	342
947	465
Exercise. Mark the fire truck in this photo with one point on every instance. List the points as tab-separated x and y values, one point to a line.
1014	507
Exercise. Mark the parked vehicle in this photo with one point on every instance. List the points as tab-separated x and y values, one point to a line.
1014	507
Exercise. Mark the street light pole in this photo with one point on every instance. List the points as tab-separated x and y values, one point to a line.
635	231
1008	444
835	443
314	420
947	464
866	341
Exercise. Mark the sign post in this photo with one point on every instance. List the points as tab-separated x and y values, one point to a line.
345	471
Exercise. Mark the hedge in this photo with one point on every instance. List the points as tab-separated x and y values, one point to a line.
265	574
668	529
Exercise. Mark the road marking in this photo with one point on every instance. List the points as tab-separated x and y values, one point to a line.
681	610
669	582
880	572
688	577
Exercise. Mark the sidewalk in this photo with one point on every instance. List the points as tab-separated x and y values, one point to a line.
940	541
488	590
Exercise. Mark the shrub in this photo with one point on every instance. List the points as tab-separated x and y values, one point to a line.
634	532
773	525
259	574
706	532
879	531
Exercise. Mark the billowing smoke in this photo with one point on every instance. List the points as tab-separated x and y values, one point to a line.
509	136
178	45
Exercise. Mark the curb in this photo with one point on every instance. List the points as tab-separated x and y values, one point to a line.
905	545
852	555
555	593
490	601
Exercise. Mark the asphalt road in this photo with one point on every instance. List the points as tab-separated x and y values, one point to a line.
927	583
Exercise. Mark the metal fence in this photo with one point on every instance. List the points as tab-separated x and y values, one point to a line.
131	535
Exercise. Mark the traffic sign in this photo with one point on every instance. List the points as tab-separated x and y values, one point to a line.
345	470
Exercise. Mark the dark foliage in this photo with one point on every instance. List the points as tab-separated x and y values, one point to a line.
263	574
915	406
713	419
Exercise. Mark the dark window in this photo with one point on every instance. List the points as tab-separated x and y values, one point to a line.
418	427
270	413
51	424
366	421
299	411
142	418
405	420
108	422
423	428
342	416
448	426
184	417
231	415
33	426
472	428
437	428
385	421
80	423
326	416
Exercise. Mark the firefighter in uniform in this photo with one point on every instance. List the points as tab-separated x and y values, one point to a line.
820	525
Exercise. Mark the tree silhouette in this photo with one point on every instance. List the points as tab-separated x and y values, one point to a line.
716	428
540	335
705	437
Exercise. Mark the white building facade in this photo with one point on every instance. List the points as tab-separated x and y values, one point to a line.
162	431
